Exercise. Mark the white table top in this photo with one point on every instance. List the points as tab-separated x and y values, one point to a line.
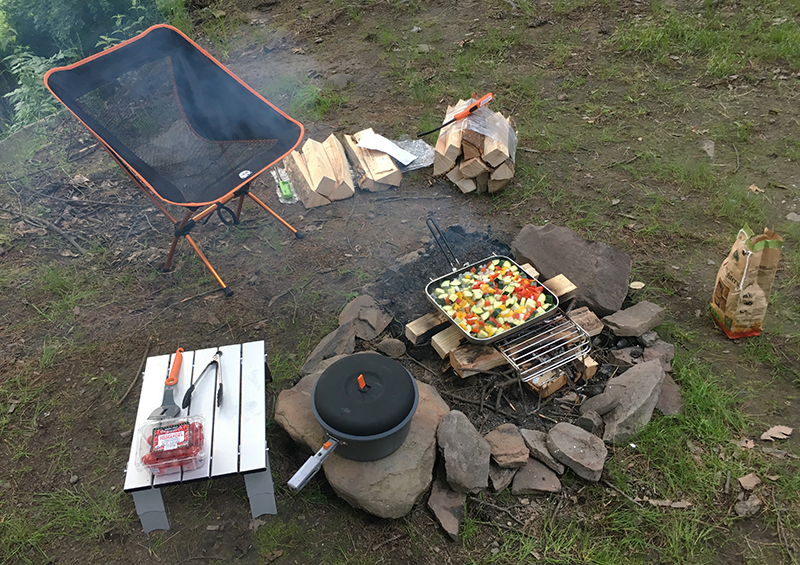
237	430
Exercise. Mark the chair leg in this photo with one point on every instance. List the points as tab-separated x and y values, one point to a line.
186	218
225	289
297	234
168	262
239	208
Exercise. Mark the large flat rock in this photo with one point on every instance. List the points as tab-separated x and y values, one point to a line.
535	478
638	390
579	450
636	320
508	447
600	272
537	444
388	487
466	453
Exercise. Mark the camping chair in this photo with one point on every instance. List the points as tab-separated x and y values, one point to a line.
184	127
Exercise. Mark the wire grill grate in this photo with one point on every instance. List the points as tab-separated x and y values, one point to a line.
550	344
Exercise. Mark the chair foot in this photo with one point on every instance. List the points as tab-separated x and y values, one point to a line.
227	291
299	235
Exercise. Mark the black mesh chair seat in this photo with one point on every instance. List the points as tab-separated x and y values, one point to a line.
182	125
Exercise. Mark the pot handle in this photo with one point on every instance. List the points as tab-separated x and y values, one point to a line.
441	241
312	465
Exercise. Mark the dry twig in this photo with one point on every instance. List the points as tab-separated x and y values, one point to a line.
136	377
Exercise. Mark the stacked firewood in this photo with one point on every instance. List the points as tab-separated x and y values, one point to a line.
476	153
320	172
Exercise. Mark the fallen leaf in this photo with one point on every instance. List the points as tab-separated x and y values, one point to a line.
657	502
68	253
749	482
778	453
709	147
681	504
754	188
773	477
776	432
746	443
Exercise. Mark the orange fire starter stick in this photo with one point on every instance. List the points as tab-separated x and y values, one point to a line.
483	101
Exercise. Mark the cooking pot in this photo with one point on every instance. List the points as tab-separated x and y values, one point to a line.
365	403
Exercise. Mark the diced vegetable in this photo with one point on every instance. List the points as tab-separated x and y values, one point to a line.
492	298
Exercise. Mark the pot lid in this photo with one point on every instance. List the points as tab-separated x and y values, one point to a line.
364	395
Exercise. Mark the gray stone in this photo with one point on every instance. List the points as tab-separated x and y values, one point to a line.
392	347
626	357
339	81
793	217
73	479
662	351
508	448
648	339
602	403
500	477
638	389
367	317
749	507
579	450
388	487
447	505
466	453
591	421
537	444
534	478
636	320
341	341
670	401
600	272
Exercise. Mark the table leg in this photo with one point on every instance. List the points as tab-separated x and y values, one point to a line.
261	492
150	508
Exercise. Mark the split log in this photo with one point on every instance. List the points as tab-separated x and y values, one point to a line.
482	182
495	185
320	172
295	166
341	169
548	383
530	270
466	185
362	160
380	166
471	359
446	341
504	171
422	328
586	367
472	168
587	319
561	286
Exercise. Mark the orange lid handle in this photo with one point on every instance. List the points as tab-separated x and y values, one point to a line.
362	384
176	366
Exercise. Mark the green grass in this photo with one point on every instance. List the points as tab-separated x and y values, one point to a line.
676	458
725	38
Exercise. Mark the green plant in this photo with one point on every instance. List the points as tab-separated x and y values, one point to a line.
175	12
125	26
31	100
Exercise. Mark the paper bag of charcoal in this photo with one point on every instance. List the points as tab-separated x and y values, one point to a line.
476	153
744	281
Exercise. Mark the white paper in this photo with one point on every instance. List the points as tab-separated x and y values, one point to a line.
379	143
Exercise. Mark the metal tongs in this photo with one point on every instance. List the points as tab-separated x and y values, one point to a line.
215	360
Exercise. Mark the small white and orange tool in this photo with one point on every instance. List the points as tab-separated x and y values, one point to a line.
480	103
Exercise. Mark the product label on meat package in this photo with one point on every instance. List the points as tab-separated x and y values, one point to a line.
171	437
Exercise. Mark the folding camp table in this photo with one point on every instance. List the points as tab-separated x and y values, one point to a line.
186	129
236	429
